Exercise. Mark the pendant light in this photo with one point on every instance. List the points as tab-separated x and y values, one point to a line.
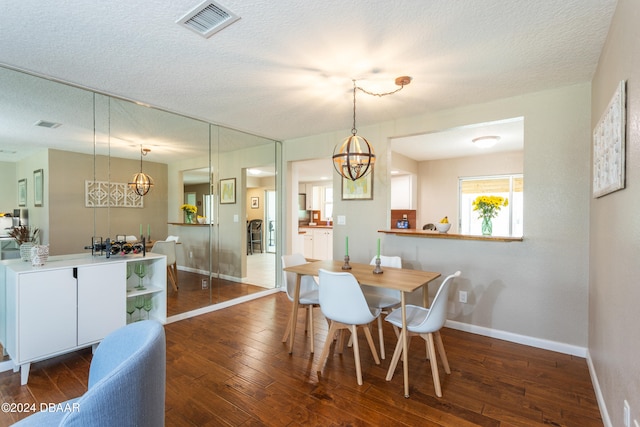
141	183
355	158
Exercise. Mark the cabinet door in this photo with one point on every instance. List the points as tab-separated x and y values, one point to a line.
46	313
102	296
319	244
308	245
329	234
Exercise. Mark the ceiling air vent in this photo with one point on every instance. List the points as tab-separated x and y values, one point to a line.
208	18
46	124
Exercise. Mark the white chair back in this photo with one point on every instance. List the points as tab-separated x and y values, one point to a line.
165	248
388	261
342	300
437	315
307	283
385	261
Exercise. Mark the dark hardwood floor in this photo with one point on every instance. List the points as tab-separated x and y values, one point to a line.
191	295
229	367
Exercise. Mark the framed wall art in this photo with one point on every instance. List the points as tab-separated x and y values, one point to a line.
255	202
38	187
609	146
22	192
360	189
227	191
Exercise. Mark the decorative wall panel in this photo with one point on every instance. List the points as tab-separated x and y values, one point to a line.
102	194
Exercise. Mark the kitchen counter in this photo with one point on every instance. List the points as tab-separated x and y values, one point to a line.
315	226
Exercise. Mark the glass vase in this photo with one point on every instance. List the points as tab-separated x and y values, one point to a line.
190	218
487	226
25	251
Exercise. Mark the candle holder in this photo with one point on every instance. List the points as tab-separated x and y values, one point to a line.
346	265
378	268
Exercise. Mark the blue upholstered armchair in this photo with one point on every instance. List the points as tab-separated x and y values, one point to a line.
126	383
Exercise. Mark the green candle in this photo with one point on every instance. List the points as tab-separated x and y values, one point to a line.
346	243
141	229
378	248
148	230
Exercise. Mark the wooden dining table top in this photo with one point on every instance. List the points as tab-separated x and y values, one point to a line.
401	279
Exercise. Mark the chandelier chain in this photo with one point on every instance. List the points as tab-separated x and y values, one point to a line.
379	94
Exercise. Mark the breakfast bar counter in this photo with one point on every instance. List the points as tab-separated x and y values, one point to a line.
412	232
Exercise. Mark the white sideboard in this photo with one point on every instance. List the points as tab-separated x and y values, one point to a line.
73	302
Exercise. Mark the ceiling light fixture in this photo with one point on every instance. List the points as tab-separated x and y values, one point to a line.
141	183
355	158
486	141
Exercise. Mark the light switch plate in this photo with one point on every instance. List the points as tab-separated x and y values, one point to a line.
342	220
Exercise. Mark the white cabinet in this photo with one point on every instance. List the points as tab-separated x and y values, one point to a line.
72	302
318	242
307	244
323	243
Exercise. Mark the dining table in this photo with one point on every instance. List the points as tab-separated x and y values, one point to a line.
401	279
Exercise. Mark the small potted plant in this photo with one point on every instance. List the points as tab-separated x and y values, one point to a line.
26	237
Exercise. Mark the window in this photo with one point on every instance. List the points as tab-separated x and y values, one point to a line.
509	221
328	202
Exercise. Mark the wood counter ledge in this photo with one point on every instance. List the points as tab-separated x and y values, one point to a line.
412	232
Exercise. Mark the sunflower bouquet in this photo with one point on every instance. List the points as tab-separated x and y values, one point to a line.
489	206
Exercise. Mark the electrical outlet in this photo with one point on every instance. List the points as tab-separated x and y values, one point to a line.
627	414
462	296
204	284
190	254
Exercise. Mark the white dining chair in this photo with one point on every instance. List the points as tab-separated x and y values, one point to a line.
425	322
343	303
383	298
308	294
169	249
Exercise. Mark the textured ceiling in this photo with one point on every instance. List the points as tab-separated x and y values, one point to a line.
284	70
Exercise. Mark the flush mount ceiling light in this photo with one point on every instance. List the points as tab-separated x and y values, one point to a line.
141	183
355	158
486	141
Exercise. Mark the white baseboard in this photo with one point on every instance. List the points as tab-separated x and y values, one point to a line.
604	413
520	339
215	275
6	365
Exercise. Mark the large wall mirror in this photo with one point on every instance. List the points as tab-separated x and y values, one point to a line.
81	139
439	174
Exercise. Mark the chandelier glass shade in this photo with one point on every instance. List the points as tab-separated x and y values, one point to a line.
141	183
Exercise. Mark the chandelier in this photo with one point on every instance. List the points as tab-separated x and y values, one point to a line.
355	158
141	183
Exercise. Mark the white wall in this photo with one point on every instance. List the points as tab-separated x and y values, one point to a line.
614	335
535	288
8	187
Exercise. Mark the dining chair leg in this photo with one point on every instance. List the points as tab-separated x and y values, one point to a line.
443	354
381	338
310	308
325	350
175	273
372	346
396	357
340	342
285	337
434	363
356	352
